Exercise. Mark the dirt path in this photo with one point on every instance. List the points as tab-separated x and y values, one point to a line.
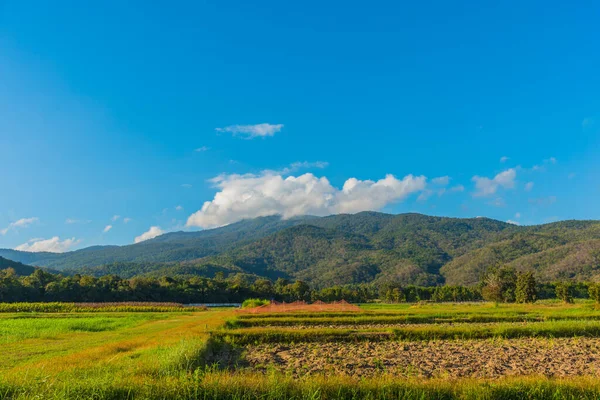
472	358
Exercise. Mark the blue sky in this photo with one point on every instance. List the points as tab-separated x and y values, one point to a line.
153	114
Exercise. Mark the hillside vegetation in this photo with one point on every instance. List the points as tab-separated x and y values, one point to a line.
345	249
20	269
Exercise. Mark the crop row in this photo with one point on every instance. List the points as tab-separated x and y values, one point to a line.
400	320
549	329
92	307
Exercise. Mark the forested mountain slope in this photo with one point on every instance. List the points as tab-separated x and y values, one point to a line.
175	246
20	269
341	249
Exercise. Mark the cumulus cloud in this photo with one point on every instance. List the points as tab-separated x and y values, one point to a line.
252	131
249	196
529	186
53	245
457	188
22	223
153	232
486	186
115	217
518	215
179	208
504	159
202	149
441	180
127	220
510	221
107	228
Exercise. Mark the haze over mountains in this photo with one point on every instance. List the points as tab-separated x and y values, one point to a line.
344	249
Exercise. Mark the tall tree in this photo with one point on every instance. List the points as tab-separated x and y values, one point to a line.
525	291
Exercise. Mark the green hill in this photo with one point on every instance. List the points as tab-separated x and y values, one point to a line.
175	246
20	269
341	249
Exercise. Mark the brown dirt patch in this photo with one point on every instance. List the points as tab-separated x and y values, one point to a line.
470	358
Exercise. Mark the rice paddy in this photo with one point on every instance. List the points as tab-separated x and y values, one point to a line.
445	351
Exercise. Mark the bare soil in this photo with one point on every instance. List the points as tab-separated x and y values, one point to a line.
447	359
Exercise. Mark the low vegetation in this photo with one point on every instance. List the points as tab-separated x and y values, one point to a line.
57	307
548	349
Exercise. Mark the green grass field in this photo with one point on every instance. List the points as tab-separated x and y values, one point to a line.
189	354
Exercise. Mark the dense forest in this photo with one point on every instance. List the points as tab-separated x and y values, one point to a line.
499	285
345	249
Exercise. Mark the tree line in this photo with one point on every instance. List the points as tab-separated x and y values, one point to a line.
499	285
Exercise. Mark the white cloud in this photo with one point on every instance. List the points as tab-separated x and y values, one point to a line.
425	194
107	228
441	180
529	186
513	222
77	221
504	159
153	232
126	220
22	223
53	245
486	186
542	168
115	217
202	149
497	202
588	123
179	208
252	131
543	201
249	196
517	215
186	185
438	187
296	166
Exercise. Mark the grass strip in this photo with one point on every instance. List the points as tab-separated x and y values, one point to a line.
244	386
552	329
408	319
57	307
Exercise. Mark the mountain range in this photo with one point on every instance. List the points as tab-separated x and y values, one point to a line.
348	248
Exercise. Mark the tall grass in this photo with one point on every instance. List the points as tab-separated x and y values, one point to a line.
225	386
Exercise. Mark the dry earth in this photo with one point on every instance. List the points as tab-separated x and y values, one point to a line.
469	358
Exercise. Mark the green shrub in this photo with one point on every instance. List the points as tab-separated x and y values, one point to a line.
251	303
564	292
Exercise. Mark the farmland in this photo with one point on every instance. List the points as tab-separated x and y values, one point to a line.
467	350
